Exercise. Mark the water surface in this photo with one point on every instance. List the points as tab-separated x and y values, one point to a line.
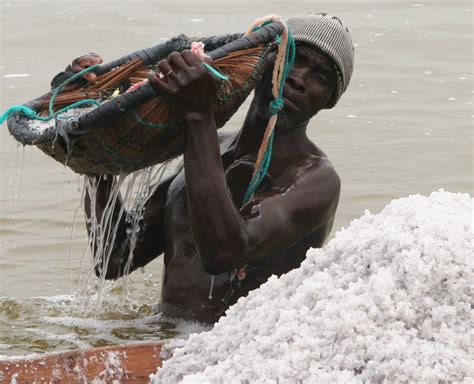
403	127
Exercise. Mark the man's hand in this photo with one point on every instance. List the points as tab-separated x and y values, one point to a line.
186	83
86	61
77	65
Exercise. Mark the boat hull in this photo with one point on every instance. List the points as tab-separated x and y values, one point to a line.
124	364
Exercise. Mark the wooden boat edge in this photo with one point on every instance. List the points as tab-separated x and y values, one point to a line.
131	363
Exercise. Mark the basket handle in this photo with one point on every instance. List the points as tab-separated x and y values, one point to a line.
134	99
153	54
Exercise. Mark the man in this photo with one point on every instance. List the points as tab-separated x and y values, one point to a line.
216	250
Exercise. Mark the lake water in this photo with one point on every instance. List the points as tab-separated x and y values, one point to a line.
403	127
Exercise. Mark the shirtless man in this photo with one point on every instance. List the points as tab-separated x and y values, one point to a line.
196	217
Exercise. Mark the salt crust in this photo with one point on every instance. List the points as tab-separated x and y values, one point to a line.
387	300
39	126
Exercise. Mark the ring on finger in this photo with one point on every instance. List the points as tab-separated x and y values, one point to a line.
169	72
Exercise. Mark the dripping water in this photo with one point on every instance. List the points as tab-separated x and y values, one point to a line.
131	192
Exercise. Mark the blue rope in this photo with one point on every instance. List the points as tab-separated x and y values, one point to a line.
275	107
32	114
261	172
215	72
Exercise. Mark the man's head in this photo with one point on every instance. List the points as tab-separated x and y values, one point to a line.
321	72
329	35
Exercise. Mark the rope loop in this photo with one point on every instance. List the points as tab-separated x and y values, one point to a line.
283	65
32	114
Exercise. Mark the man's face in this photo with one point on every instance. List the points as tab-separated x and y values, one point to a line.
309	86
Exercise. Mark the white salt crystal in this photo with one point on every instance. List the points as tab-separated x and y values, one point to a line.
41	126
388	297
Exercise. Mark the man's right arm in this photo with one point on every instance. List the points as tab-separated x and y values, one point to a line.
150	239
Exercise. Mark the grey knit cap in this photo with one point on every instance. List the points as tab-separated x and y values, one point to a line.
331	36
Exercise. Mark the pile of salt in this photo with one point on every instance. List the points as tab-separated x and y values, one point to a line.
388	299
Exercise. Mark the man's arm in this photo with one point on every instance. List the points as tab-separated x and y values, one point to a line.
228	238
150	238
225	237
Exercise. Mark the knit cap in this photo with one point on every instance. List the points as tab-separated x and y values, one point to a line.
331	36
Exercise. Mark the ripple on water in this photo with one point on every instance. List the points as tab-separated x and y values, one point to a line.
58	323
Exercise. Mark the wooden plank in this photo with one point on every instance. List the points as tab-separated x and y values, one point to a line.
131	363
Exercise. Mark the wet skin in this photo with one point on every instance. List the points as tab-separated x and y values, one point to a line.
196	217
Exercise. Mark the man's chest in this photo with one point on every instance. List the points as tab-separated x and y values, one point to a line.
238	175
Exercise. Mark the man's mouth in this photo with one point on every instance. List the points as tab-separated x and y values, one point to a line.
291	105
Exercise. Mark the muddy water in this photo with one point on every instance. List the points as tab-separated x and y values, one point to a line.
404	127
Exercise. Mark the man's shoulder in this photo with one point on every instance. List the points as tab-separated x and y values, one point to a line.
321	166
313	187
317	193
317	174
315	167
304	197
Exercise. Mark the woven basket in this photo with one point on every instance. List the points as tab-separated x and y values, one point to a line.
137	129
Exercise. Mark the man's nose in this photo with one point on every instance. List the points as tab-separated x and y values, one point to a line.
296	82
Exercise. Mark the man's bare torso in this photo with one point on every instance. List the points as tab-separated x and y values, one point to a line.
186	288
